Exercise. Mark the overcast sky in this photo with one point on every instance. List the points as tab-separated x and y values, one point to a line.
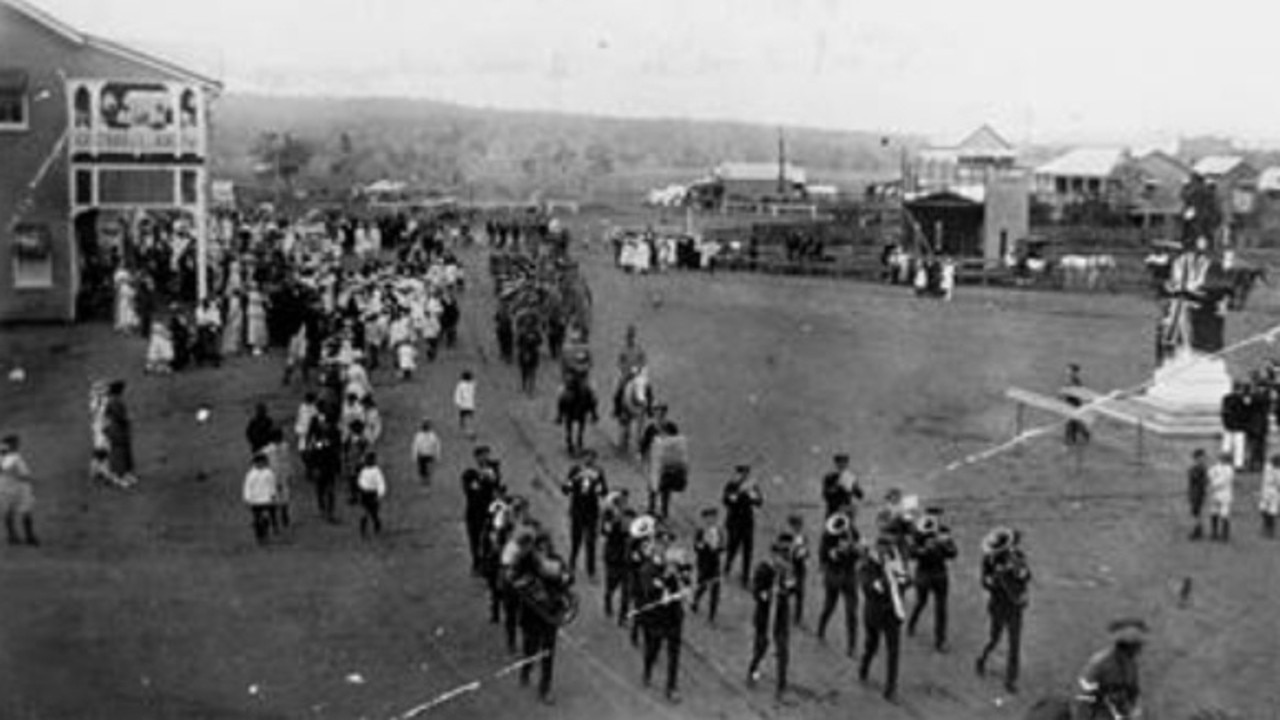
1086	70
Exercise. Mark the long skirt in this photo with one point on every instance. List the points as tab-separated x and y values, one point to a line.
121	456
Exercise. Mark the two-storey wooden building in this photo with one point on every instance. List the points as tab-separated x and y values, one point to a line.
93	134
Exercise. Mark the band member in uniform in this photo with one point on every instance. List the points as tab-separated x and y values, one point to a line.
883	579
773	587
585	487
616	527
741	498
1109	685
666	582
932	549
1005	577
840	487
639	554
708	548
540	579
838	556
799	562
481	485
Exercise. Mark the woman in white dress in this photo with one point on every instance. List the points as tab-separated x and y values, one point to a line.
126	302
233	327
257	316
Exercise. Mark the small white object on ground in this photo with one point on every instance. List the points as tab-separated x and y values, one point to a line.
203	414
17	375
355	679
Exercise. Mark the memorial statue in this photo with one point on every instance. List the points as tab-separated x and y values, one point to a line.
1195	302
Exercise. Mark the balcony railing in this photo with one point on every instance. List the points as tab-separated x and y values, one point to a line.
138	141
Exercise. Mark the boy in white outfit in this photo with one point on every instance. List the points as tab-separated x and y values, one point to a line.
1221	479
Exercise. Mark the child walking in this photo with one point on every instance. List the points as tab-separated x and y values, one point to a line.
426	452
464	397
260	495
373	487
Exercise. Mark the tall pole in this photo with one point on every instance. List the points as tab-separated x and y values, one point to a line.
782	164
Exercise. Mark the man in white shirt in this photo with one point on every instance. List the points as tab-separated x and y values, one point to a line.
373	487
464	398
426	452
1221	480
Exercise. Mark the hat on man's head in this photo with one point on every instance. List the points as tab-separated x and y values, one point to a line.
1128	631
842	457
1000	538
742	468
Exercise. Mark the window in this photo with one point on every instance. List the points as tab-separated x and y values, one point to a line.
84	187
14	109
32	257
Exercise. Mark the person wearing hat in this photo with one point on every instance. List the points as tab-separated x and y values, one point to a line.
932	548
799	563
1006	577
1221	492
615	525
17	498
882	579
838	555
639	559
1109	684
840	486
585	487
259	495
481	485
666	585
543	579
708	546
741	497
772	588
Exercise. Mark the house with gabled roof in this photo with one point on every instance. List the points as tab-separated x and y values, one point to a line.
93	134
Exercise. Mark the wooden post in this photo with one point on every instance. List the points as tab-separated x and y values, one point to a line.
1017	421
1079	448
1141	442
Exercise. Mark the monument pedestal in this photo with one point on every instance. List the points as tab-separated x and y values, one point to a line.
1191	382
1185	397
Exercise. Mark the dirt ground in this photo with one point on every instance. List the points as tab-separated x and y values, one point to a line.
155	603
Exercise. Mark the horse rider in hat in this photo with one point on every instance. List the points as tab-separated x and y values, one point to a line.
1109	683
1005	577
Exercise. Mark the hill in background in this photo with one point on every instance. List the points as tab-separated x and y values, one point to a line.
509	154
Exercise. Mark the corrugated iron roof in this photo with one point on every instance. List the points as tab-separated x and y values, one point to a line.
1218	164
1269	180
1085	162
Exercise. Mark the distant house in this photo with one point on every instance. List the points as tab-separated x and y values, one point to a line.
964	169
1082	175
1152	185
1268	205
1237	184
969	199
749	183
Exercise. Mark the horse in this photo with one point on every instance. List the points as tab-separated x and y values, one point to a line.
528	354
1087	271
577	405
631	405
1242	281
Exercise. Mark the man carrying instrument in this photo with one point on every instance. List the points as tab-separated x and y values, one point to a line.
542	580
932	549
773	586
838	555
1109	685
1005	577
883	578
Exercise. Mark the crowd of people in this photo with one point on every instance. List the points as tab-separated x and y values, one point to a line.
344	316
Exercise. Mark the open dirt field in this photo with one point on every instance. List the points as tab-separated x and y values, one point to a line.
155	603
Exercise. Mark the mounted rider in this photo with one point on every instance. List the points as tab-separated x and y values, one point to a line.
1109	686
575	360
631	362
